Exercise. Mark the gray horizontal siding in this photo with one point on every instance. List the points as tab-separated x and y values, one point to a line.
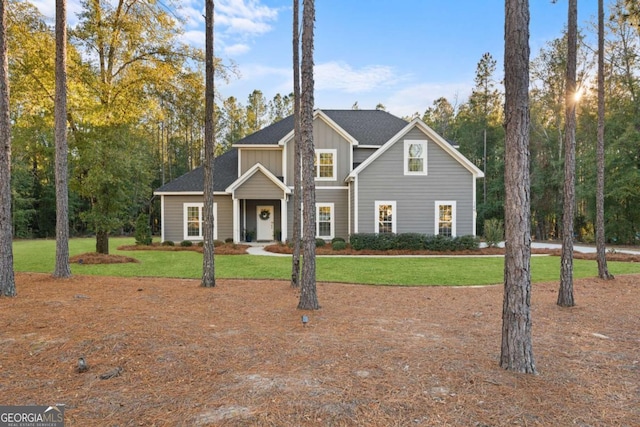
415	196
362	154
340	198
174	216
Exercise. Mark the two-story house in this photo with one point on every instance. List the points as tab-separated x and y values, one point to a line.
375	173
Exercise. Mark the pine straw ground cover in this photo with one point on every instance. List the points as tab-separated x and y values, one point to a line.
238	354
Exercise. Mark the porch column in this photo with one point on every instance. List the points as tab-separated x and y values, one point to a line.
236	220
283	219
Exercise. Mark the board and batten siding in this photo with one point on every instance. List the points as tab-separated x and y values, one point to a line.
259	187
415	196
325	137
173	216
271	159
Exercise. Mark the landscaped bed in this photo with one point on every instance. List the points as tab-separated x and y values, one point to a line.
238	354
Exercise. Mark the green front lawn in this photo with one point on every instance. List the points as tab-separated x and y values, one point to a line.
39	256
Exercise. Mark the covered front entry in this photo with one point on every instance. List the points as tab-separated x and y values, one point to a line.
259	206
261	220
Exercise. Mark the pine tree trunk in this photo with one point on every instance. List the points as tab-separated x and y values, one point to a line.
208	264
603	269
297	197
565	293
308	293
62	268
7	278
102	242
516	351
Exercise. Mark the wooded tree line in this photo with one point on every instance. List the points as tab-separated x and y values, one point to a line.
136	120
135	113
477	125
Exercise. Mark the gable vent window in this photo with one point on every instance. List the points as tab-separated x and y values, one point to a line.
415	157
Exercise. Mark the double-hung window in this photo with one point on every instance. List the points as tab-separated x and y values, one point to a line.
385	221
194	223
324	164
415	157
325	221
445	218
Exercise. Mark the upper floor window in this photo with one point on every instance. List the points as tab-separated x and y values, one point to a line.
415	157
324	164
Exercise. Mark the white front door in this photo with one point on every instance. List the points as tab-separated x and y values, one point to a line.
264	230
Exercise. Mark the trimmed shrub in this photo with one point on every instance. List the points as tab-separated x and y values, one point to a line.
186	243
337	239
466	243
493	232
320	243
228	240
143	231
409	241
438	243
168	243
372	241
217	243
360	241
338	245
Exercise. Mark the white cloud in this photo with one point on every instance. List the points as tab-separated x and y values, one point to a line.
48	9
193	38
246	17
343	77
236	49
192	13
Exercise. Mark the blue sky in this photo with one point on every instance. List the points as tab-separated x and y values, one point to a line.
403	53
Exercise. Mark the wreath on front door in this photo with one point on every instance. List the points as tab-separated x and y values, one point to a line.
265	214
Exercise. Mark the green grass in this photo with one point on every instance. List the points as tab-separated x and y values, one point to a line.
39	256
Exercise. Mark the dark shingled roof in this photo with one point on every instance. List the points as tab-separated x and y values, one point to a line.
270	134
225	172
368	127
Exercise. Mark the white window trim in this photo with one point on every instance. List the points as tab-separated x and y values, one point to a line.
439	203
200	207
409	142
376	213
333	220
332	151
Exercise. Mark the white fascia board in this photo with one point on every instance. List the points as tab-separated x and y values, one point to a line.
252	171
435	137
188	193
335	126
261	146
381	150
